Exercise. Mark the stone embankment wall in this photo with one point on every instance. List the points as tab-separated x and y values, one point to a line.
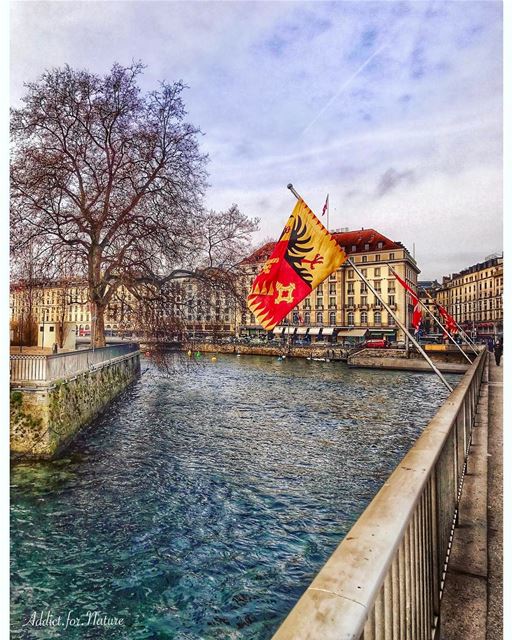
333	352
366	357
46	417
447	362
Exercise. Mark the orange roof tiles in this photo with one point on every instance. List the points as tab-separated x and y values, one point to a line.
346	239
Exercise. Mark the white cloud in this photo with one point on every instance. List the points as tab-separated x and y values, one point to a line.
427	104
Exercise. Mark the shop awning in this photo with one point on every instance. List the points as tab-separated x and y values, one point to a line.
314	331
388	331
327	331
351	333
288	331
301	331
278	330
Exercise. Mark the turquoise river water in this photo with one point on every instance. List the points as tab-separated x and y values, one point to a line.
202	503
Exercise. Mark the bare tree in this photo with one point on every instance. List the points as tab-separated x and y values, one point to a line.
109	182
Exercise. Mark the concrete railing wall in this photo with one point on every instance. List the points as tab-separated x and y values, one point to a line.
385	580
40	368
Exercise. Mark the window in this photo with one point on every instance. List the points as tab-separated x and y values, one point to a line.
391	300
307	317
364	259
377	272
364	317
354	248
364	272
391	256
379	246
377	317
350	274
391	320
332	289
363	287
350	318
332	318
364	301
350	301
377	258
295	317
320	318
367	247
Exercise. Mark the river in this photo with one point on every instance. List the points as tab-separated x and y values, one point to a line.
201	504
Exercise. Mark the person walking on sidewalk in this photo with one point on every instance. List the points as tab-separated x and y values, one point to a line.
498	351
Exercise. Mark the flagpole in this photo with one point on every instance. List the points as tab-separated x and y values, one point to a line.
463	334
328	207
433	316
390	311
399	322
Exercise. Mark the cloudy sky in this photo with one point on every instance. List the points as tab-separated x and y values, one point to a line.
393	108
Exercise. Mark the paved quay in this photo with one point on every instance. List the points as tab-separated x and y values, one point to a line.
472	605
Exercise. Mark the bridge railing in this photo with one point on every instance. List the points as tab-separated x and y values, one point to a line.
42	368
385	580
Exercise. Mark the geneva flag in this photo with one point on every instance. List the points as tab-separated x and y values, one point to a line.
416	313
449	322
305	254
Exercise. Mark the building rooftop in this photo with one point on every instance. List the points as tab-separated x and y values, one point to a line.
346	239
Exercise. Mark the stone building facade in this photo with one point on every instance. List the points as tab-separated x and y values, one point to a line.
474	297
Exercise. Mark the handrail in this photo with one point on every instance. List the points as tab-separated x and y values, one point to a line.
42	368
385	580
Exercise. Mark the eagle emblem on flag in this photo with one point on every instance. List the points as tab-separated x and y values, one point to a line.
304	256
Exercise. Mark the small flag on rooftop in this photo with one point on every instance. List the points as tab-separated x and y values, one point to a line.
326	205
304	256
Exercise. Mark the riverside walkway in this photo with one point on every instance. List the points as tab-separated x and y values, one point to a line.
474	583
424	561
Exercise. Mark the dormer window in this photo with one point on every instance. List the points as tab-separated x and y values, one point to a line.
379	245
354	248
367	247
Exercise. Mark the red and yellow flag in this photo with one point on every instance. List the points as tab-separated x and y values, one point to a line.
305	254
417	314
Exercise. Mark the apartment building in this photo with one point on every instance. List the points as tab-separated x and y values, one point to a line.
474	297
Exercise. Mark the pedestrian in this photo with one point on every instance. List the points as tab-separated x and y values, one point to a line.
490	344
498	351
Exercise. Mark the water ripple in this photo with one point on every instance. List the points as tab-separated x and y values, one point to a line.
201	505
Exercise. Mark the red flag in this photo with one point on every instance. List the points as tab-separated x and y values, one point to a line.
326	205
416	313
449	322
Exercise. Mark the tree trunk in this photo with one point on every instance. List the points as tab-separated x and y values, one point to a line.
97	325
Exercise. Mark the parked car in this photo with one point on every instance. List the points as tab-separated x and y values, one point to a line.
376	344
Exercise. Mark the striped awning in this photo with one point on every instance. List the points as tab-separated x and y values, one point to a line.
327	331
301	331
278	330
288	331
314	331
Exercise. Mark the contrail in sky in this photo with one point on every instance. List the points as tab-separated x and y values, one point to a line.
343	87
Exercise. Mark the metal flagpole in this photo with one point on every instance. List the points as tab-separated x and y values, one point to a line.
397	320
328	207
444	330
463	334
